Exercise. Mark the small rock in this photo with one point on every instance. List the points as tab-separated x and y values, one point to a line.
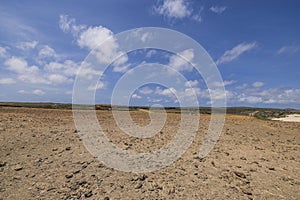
82	182
143	177
138	186
243	158
213	163
89	194
69	176
16	178
246	190
106	198
76	172
271	168
239	174
84	165
139	178
172	190
18	167
68	148
2	164
201	159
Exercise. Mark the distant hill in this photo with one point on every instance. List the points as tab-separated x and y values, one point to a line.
261	113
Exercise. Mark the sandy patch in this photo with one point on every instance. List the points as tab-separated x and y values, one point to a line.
289	118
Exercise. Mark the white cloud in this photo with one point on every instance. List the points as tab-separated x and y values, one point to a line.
191	92
53	73
142	35
145	36
224	83
292	49
218	9
34	78
197	18
121	69
193	83
218	94
67	24
15	64
22	92
151	53
243	86
174	9
235	52
135	96
257	84
26	73
7	81
58	79
182	60
98	86
67	68
155	100
38	92
269	96
27	45
2	52
87	71
146	90
47	52
251	99
92	37
170	92
35	92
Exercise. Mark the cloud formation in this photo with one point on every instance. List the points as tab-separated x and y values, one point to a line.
218	9
174	9
27	45
235	52
182	61
98	38
257	84
2	52
7	81
291	49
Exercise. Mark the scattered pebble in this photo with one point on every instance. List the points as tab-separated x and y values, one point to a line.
239	174
2	164
271	168
138	186
69	176
68	148
18	167
89	194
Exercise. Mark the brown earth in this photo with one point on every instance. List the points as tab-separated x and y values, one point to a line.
42	157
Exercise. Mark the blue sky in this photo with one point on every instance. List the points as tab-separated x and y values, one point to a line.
255	44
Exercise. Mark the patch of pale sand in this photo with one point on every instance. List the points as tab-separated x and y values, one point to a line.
289	118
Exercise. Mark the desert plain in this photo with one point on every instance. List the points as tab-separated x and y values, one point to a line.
42	157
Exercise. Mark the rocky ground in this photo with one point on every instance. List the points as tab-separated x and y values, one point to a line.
42	157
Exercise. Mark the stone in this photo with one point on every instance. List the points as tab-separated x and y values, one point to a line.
138	186
18	167
68	148
69	176
239	174
88	194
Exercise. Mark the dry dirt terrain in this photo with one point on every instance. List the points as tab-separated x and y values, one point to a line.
42	157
